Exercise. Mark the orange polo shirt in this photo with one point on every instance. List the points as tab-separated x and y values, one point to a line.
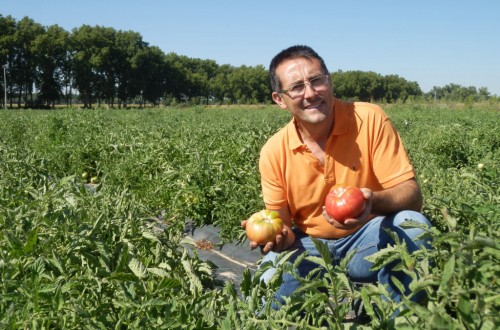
363	150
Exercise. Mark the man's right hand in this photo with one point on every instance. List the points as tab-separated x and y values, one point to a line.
282	242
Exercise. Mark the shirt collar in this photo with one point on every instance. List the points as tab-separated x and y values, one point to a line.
294	141
342	118
343	114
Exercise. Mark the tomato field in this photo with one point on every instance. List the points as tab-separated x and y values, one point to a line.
111	253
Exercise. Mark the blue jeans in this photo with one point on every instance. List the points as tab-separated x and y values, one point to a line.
366	241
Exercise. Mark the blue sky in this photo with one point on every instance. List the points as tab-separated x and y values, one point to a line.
432	42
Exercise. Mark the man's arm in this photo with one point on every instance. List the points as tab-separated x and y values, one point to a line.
403	196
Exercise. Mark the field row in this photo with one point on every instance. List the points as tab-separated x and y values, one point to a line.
71	257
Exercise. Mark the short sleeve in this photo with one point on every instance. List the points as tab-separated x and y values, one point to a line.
273	187
390	159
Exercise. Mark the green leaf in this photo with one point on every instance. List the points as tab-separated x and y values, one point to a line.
15	243
489	325
315	299
54	261
158	271
194	281
323	250
188	240
448	271
311	285
422	312
481	242
383	257
39	266
123	256
317	260
342	277
97	224
367	303
246	283
283	257
398	284
421	284
492	252
171	283
408	224
48	288
151	236
495	299
138	268
465	309
226	323
123	277
451	221
30	244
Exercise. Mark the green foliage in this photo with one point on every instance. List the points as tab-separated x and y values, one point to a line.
97	65
455	92
370	86
72	258
113	255
115	68
456	155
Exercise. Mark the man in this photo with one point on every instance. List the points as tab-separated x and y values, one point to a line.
331	142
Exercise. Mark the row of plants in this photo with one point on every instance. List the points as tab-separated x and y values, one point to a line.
112	254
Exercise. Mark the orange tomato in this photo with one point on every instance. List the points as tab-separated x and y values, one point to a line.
263	226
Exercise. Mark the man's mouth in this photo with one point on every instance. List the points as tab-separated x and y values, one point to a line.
314	105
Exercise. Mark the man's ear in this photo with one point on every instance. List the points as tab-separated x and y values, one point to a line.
279	100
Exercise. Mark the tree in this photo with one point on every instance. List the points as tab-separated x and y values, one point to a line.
24	66
150	71
105	65
484	93
358	85
371	86
127	46
258	79
8	27
456	92
176	79
199	74
397	88
82	44
220	84
50	50
249	84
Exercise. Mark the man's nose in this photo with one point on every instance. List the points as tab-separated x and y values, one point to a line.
309	90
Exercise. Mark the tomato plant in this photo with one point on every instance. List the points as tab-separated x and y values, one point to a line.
263	226
183	156
344	202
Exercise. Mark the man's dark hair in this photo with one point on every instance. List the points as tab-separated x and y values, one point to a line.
290	53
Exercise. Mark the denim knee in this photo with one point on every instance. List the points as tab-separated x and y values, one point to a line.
409	234
402	216
268	274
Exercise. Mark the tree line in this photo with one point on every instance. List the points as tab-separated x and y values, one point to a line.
47	65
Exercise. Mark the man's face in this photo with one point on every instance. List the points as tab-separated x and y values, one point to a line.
316	103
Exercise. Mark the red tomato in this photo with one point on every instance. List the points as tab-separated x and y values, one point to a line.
264	226
344	202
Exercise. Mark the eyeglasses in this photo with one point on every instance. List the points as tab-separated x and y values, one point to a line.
318	82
